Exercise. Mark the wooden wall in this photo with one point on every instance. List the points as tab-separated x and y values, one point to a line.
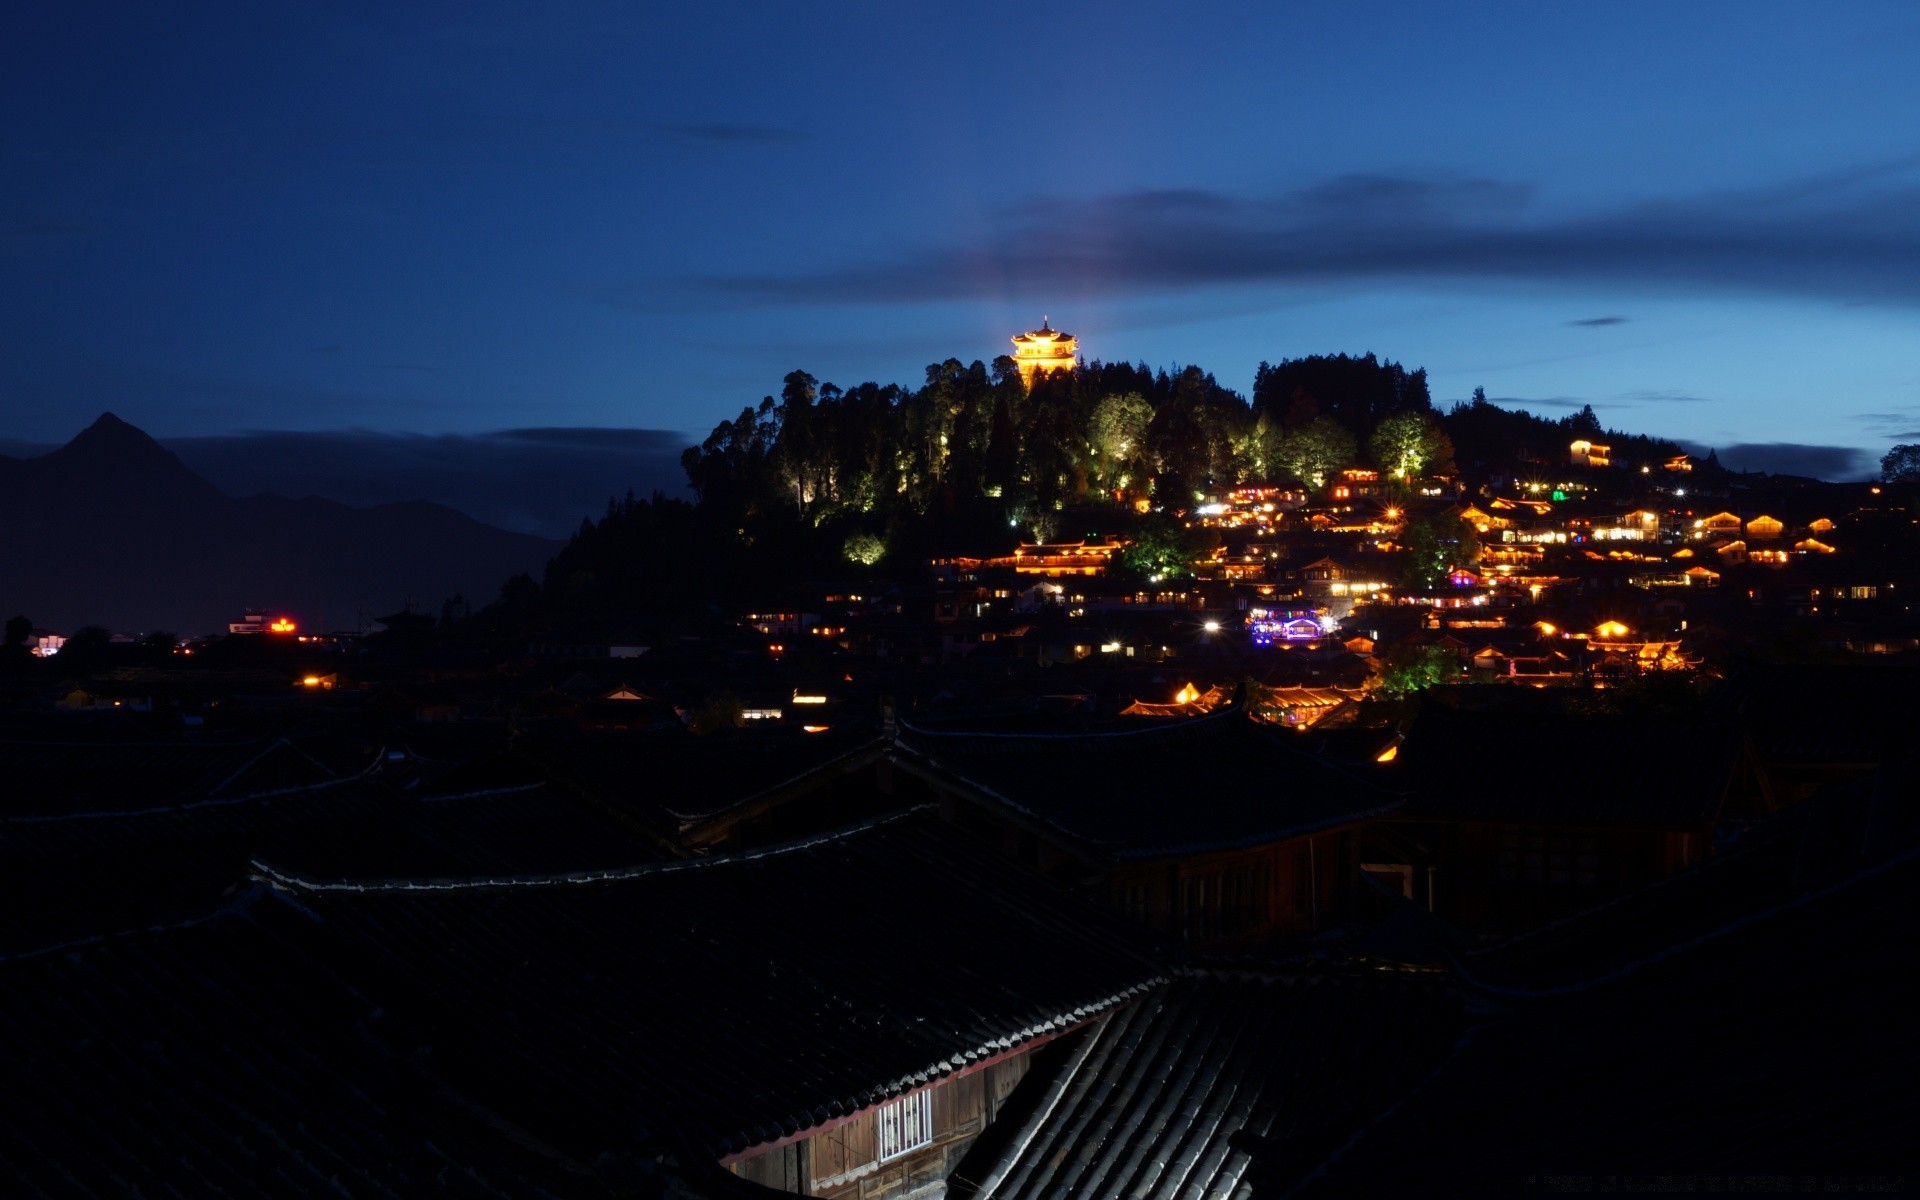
839	1162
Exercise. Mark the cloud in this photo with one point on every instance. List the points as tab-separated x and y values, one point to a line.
1898	425
1797	458
540	481
1598	322
1852	236
1653	396
1539	401
659	441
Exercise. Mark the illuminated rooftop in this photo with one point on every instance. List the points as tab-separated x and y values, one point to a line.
1044	349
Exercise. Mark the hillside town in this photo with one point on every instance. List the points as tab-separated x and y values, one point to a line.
1398	827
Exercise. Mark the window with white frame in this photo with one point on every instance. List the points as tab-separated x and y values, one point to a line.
903	1125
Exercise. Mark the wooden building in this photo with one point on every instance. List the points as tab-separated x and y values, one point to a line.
1044	349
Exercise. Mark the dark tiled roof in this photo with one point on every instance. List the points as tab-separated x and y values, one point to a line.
1783	1041
1827	713
90	872
1210	783
674	778
737	999
52	777
1566	768
1145	1108
1812	845
211	1059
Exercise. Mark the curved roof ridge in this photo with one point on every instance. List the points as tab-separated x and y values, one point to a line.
287	881
878	742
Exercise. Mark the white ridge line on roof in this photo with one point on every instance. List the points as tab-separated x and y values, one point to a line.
287	880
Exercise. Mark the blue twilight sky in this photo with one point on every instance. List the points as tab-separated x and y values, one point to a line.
422	219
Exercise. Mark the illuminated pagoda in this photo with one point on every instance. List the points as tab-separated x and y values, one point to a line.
1043	349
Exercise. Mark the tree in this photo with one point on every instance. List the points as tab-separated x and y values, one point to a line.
717	715
1002	465
87	650
1433	546
1408	668
1314	451
1901	464
1162	546
1585	423
1407	445
864	548
1178	446
1427	556
14	655
1356	392
1120	433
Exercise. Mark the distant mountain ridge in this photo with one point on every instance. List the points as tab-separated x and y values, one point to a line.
113	529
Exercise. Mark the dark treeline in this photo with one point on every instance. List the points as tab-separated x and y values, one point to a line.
973	433
827	481
1489	438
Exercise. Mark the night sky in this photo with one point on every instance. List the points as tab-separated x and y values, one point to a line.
444	222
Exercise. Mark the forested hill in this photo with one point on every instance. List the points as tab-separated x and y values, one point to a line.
975	437
823	480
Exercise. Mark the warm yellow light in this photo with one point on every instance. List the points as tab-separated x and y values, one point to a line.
815	728
805	698
1389	754
311	681
1610	629
1393	514
1547	628
1043	349
1186	695
282	625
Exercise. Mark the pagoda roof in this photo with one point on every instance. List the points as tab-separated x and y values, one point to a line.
1043	334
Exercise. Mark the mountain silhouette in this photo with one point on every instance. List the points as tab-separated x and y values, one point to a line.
113	529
